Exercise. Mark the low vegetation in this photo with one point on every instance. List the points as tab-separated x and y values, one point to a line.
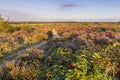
84	51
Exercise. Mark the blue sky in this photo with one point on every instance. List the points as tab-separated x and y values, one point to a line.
60	10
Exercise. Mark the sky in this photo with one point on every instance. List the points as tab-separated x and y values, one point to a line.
60	10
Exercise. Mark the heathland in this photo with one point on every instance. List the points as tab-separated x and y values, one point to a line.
59	51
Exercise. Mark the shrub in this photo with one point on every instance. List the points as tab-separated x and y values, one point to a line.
11	29
17	28
20	39
13	71
27	28
101	29
4	25
102	40
110	34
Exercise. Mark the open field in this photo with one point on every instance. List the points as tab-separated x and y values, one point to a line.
83	51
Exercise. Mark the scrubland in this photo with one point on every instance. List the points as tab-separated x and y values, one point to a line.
84	51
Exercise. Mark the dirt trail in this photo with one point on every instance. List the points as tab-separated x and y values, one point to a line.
14	55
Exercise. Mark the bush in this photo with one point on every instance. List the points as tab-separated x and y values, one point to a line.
13	71
20	39
18	28
27	28
4	25
102	40
11	29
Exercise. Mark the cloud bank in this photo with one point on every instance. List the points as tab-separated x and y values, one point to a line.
68	5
